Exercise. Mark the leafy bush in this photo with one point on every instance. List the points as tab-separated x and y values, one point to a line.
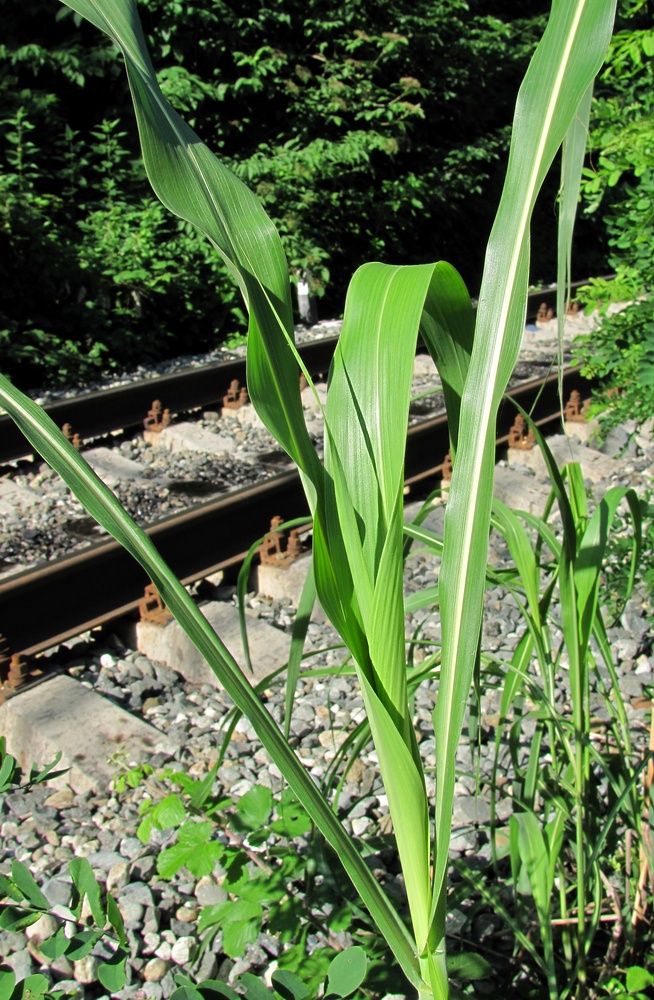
360	133
119	283
621	180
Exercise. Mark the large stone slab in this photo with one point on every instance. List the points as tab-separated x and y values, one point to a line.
169	644
425	367
63	714
282	581
587	431
517	488
595	466
114	468
191	437
520	491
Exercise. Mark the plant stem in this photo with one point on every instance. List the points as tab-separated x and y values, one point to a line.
434	965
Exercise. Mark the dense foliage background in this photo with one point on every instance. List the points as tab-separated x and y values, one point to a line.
372	129
619	187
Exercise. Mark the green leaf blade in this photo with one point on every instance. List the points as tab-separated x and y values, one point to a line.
563	67
346	972
24	880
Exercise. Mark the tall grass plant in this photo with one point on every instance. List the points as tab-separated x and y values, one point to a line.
356	494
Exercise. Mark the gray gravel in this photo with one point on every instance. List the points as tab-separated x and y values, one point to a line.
45	829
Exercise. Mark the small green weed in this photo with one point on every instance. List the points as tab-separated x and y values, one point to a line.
129	776
12	777
343	976
272	868
615	583
23	903
637	985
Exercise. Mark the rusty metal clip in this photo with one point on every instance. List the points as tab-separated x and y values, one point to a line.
152	607
14	670
18	672
236	397
157	418
575	410
5	658
520	436
277	549
74	439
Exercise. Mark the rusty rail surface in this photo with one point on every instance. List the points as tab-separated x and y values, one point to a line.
45	605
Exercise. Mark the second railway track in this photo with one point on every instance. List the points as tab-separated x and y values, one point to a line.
96	414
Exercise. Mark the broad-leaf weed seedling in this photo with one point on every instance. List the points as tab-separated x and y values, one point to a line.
636	981
356	493
92	915
273	877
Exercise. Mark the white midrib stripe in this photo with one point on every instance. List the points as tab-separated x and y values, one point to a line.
478	452
381	471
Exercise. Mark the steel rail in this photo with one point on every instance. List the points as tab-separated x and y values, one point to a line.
43	606
96	414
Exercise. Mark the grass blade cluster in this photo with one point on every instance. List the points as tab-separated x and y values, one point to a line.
356	494
561	71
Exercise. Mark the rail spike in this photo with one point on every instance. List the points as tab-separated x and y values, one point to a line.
157	418
575	410
74	438
14	671
237	396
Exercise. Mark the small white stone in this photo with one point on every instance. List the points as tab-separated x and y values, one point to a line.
43	928
86	970
155	970
118	875
151	941
164	951
332	738
183	950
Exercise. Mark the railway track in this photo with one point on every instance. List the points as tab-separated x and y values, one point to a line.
43	606
97	414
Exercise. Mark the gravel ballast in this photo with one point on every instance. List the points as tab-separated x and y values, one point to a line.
46	828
